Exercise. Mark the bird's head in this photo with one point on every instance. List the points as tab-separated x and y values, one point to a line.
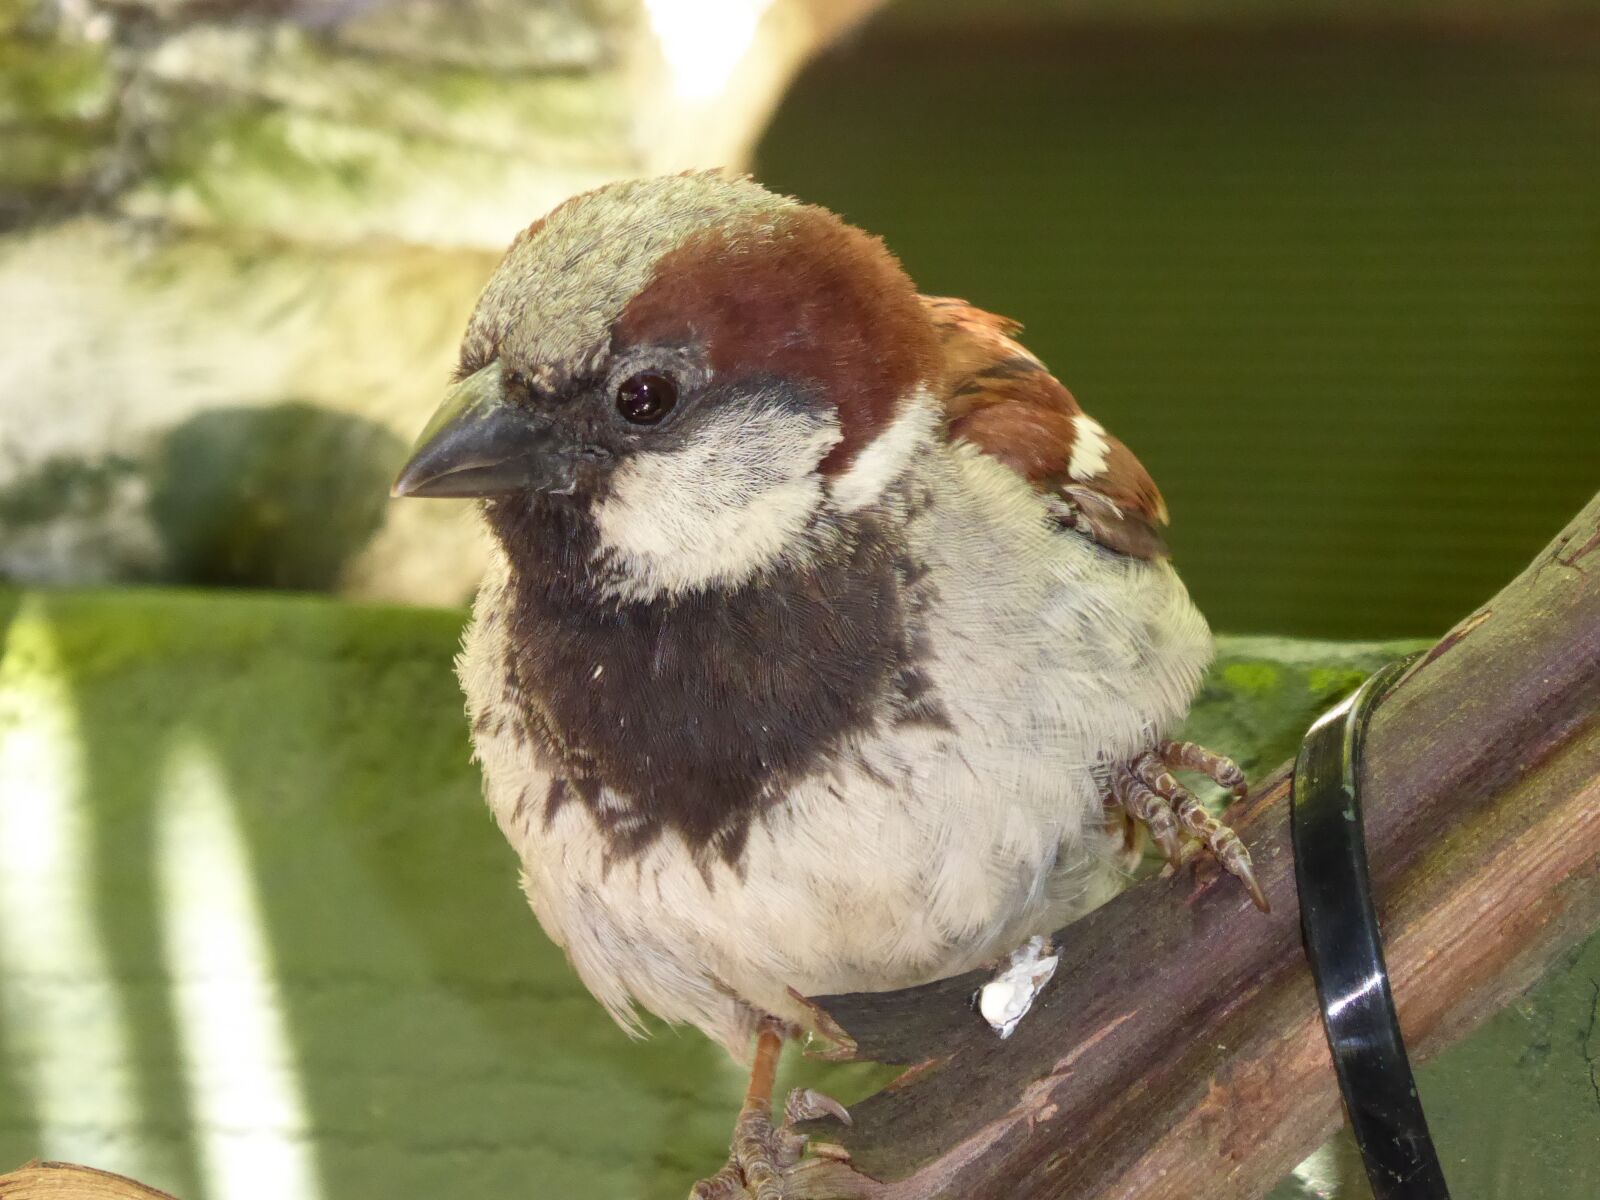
693	370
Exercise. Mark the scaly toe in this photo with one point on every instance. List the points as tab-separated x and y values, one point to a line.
803	1104
1223	771
726	1184
1222	842
1170	844
1146	805
762	1156
1148	792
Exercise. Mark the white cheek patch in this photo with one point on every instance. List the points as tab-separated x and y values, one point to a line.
883	460
716	511
1089	448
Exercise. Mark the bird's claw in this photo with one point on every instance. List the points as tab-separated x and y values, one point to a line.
762	1155
807	1104
1147	791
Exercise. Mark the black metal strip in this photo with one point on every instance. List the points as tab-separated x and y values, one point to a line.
1340	927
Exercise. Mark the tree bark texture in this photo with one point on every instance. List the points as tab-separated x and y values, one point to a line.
1179	1050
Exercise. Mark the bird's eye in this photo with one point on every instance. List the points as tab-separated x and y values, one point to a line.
646	397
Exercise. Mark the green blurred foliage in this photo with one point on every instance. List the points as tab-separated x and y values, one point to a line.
1337	283
924	14
440	1043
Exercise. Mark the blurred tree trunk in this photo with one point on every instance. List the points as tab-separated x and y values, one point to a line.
65	1181
239	241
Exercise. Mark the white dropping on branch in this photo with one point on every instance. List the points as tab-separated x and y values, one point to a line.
1006	998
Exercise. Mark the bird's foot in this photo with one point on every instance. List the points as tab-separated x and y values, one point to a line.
762	1157
1146	790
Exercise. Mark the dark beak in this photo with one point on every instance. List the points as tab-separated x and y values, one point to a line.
479	445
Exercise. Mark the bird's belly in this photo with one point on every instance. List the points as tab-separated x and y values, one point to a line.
935	841
898	867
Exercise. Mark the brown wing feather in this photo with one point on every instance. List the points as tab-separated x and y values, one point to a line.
1005	402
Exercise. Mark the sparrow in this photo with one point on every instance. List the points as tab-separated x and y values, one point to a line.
827	645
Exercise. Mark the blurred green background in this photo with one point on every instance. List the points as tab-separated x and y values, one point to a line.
1334	274
1331	269
260	940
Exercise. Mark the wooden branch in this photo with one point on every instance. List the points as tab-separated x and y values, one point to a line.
1179	1050
64	1181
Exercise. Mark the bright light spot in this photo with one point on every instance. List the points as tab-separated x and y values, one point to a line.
703	40
1367	987
1320	1174
244	1086
65	1023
